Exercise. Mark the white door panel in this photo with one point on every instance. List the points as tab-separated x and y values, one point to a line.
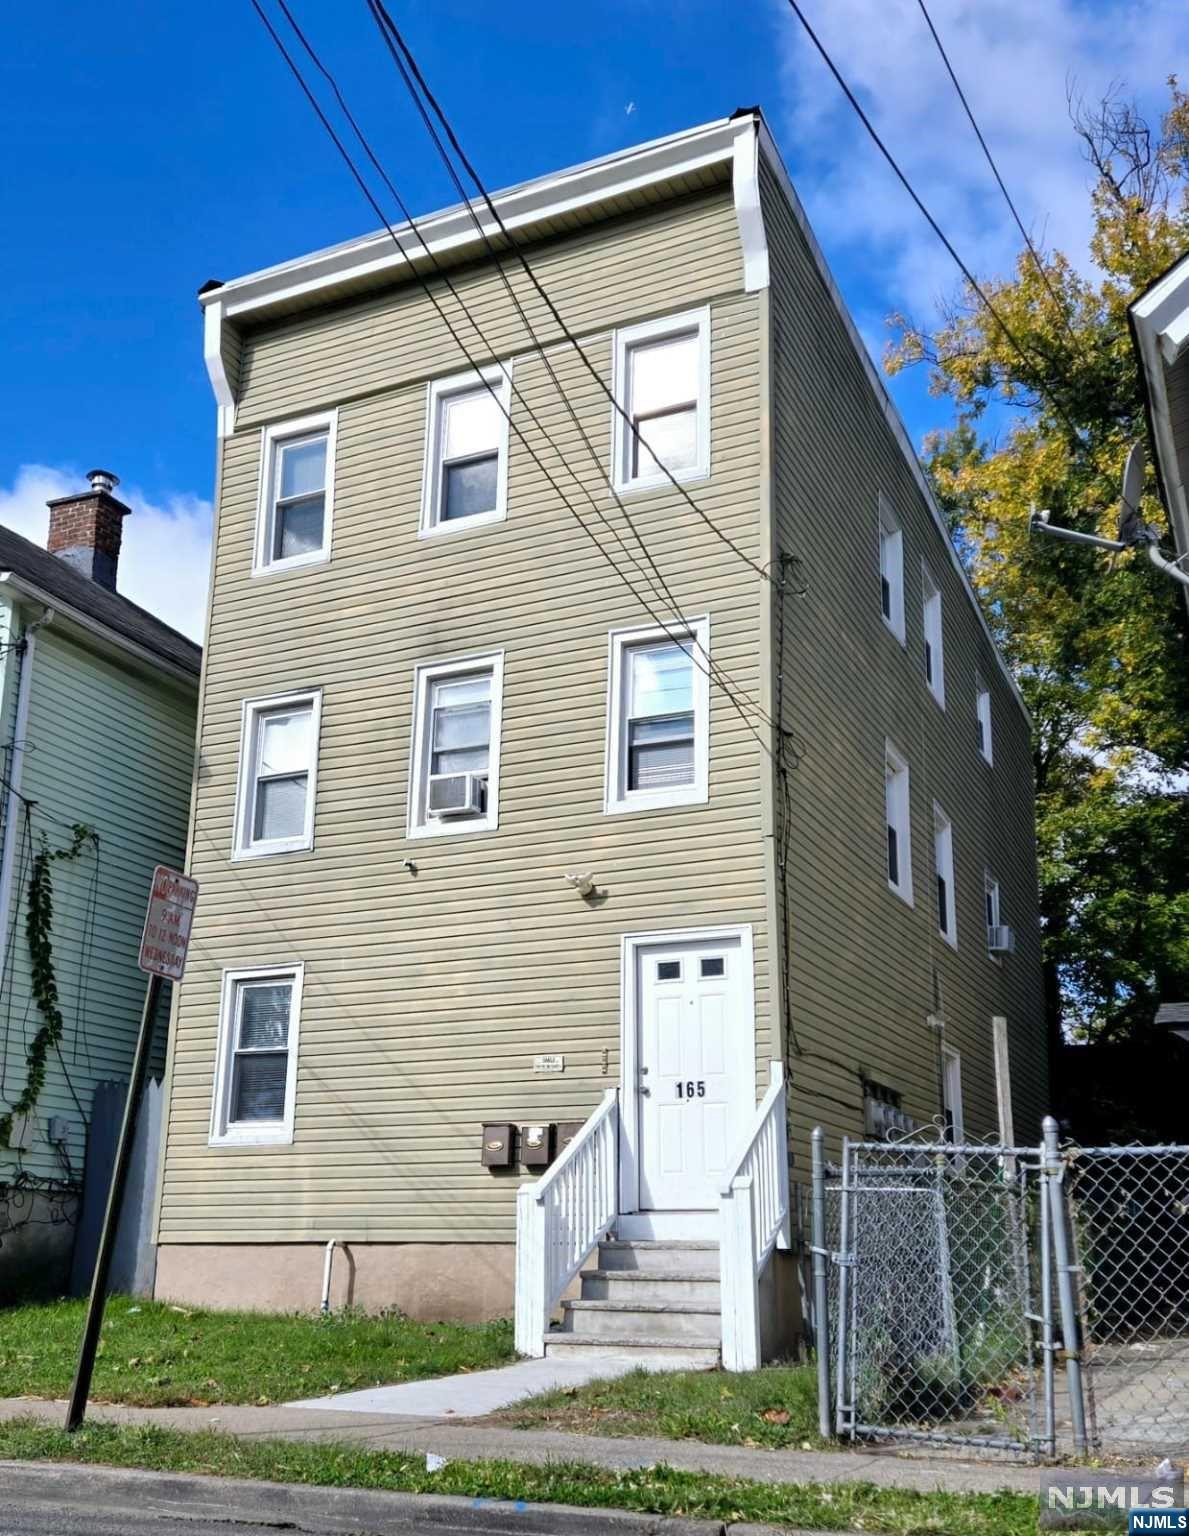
695	1088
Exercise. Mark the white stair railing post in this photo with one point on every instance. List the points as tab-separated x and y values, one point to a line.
740	1295
754	1218
531	1283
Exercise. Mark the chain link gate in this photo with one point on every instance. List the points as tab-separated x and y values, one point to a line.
1017	1301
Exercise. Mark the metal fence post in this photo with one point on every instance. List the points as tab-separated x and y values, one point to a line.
1069	1318
821	1320
844	1344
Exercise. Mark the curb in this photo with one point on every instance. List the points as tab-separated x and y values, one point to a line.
67	1485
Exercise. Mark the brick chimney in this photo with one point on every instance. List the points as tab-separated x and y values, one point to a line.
86	529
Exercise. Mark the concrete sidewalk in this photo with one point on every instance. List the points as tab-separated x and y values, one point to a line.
471	1441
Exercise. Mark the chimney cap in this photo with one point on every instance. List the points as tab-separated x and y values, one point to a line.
102	480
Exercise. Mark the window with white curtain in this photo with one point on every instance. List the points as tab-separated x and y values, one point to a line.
898	823
891	569
454	773
297	493
278	770
943	869
934	644
658	737
662	392
466	451
255	1072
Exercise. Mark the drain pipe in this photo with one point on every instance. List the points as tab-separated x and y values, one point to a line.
326	1268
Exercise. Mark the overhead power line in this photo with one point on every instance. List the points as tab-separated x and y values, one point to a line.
1021	348
1027	238
392	34
740	706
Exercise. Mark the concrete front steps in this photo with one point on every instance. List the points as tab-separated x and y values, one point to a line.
658	1302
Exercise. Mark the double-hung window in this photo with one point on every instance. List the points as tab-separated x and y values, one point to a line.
934	649
951	1095
891	569
296	493
898	824
982	715
943	869
993	907
466	451
454	777
277	775
658	717
256	1068
661	422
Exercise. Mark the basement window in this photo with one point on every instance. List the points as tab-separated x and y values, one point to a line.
296	493
661	425
466	451
256	1068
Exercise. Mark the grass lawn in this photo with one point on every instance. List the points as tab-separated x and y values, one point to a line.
156	1355
653	1490
775	1406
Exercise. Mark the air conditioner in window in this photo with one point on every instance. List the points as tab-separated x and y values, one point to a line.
1001	940
456	794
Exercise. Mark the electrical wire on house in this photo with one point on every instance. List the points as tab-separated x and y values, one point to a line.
1021	349
392	36
706	664
740	706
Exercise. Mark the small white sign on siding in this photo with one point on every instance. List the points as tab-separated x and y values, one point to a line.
549	1063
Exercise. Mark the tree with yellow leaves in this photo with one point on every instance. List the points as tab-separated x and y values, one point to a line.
1098	645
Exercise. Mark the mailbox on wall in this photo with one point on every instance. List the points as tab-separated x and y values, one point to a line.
498	1148
536	1145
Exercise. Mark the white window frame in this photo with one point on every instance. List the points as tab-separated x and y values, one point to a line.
617	798
891	567
943	866
271	438
690	320
425	675
251	710
438	392
951	1091
933	629
898	764
253	1133
982	714
993	896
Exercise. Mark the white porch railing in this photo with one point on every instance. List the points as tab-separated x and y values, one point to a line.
561	1217
753	1219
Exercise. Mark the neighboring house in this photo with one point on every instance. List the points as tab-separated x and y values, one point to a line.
1160	333
1175	1018
97	711
482	834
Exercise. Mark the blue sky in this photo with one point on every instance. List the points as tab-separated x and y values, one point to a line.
149	147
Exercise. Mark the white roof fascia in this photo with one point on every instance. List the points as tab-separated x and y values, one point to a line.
886	403
111	638
1161	320
453	229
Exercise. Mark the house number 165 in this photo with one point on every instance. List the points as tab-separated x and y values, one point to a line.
691	1090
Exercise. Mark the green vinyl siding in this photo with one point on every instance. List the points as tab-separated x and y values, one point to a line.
112	748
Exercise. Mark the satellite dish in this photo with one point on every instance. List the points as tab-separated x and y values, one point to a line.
1131	526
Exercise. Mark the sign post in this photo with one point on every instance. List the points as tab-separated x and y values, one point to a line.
163	947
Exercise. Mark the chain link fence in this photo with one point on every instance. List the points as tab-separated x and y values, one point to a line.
1015	1301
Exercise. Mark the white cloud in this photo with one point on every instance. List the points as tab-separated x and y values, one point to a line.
165	557
1015	60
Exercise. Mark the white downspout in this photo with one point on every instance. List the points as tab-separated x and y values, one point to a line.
15	767
326	1268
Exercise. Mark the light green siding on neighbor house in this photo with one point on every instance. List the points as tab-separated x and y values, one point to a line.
110	747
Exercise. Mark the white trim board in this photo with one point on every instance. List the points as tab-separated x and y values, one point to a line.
1160	327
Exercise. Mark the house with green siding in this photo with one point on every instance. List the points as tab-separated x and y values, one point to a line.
97	713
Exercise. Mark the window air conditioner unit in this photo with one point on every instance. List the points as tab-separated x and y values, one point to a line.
1001	940
456	794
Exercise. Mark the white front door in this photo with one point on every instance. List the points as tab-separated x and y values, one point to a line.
695	1069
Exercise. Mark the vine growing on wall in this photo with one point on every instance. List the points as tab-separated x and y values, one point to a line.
43	984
